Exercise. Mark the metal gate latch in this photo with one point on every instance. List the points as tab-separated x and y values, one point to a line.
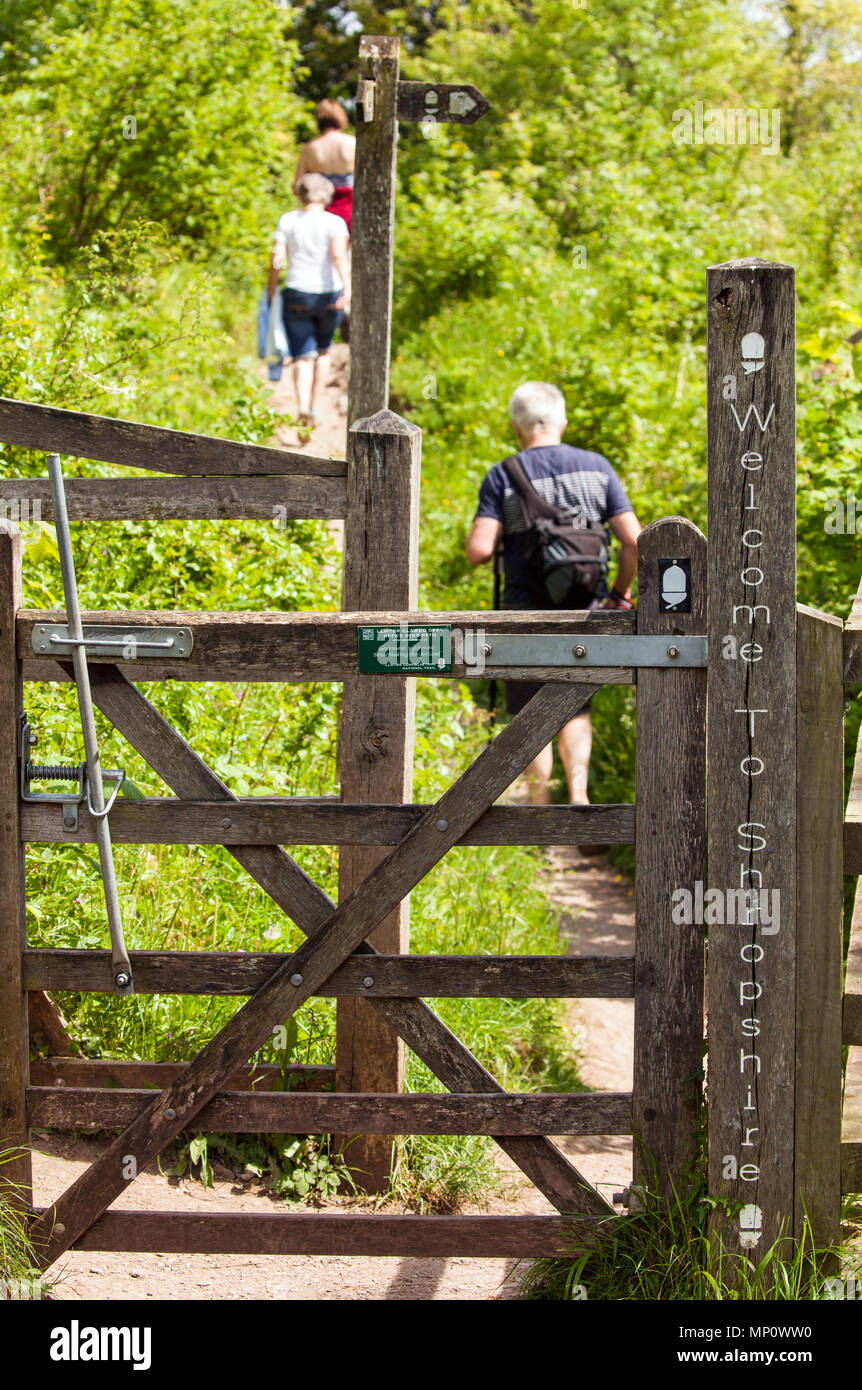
61	772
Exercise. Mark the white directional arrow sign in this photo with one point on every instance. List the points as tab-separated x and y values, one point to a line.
440	101
461	103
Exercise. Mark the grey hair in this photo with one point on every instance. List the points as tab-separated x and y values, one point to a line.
537	405
315	188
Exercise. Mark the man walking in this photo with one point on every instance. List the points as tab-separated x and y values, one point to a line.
583	488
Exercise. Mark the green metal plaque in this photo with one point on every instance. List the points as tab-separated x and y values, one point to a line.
408	649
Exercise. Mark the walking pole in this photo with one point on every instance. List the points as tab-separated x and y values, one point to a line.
497	562
121	969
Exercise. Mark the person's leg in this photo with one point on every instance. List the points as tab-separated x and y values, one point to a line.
321	373
576	741
300	328
538	777
303	377
326	318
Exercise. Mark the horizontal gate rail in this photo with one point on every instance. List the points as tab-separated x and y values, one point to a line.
109	1071
851	1132
853	643
309	646
295	497
332	1233
438	977
125	442
309	1112
324	821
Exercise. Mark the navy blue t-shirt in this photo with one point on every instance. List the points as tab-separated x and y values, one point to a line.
578	483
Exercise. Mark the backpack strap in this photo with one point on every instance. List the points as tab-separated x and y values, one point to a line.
533	502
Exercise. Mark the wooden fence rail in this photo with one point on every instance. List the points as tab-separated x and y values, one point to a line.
294	647
439	977
851	1130
301	821
292	498
131	445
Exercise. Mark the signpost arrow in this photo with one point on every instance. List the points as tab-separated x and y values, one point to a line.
440	101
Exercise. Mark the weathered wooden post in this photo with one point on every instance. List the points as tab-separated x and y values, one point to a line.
373	226
380	536
670	810
820	922
14	1047
751	748
381	543
381	102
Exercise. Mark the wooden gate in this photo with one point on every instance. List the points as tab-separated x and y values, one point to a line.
668	823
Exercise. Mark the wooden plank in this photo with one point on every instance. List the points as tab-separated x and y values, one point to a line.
180	499
108	1071
74	433
851	1117
853	643
819	923
853	818
15	1175
185	773
373	230
308	1112
435	977
375	744
298	646
301	974
48	1029
751	743
334	1233
322	821
670	809
851	1035
851	1167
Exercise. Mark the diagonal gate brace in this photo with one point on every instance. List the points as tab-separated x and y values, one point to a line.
302	974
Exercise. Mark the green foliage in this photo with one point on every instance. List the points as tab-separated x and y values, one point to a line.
158	109
17	1256
299	1167
673	1249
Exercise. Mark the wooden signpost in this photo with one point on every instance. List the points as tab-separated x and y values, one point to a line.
380	542
750	912
382	100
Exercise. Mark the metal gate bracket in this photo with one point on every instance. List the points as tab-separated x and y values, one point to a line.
544	650
124	644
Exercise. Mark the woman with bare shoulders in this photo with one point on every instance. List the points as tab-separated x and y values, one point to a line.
333	154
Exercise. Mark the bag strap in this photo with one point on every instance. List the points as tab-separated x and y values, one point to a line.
533	502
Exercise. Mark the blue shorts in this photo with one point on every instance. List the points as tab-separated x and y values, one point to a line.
310	321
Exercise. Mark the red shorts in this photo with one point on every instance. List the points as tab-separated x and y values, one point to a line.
342	204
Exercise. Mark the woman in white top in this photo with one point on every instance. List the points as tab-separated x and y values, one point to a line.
312	243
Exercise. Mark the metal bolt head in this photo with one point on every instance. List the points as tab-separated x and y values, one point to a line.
296	980
442	824
170	1114
579	650
122	979
673	651
227	823
60	1229
368	981
487	650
